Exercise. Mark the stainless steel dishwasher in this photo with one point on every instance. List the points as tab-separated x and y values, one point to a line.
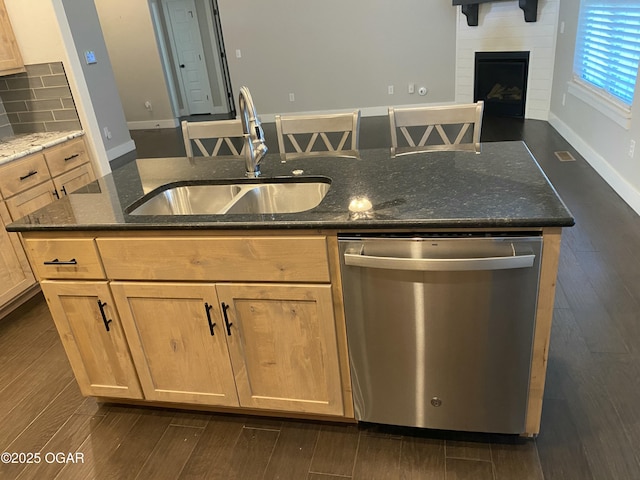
440	328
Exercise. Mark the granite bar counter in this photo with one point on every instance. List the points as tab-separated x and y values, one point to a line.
503	186
244	313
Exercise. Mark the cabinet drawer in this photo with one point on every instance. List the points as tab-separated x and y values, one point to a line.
66	156
65	258
269	259
28	202
18	176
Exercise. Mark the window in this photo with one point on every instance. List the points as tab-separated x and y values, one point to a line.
608	48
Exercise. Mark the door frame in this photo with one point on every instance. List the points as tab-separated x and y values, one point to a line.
221	81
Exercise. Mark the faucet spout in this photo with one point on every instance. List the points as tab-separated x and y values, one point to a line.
255	148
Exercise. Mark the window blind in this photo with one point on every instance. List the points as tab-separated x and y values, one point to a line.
608	46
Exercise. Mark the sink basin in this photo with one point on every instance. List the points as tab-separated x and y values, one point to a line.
279	198
187	200
281	195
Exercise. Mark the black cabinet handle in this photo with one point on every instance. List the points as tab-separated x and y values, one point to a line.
64	190
57	195
30	174
72	157
227	323
104	316
55	261
207	308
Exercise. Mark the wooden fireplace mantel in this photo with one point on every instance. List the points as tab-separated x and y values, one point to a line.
470	9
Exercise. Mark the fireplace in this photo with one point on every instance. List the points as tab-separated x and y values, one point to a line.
501	82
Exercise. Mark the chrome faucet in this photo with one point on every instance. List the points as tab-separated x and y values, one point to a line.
255	148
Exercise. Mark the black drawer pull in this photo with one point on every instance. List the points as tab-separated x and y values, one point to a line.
55	261
64	190
207	308
56	194
104	316
227	323
30	174
71	157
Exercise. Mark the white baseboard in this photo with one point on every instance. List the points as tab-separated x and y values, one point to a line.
622	187
364	112
151	124
120	150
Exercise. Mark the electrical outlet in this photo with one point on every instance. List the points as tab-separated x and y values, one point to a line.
411	88
292	97
148	105
107	133
238	53
632	148
390	89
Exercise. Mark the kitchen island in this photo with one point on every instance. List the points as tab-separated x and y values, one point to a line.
264	289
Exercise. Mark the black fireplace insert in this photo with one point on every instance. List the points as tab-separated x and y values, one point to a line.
501	82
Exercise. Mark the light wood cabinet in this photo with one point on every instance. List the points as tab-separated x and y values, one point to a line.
27	202
10	58
92	336
233	258
22	174
66	156
177	340
74	179
65	258
34	181
27	184
275	345
15	273
283	346
196	333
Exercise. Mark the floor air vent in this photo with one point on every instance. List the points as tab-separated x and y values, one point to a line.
565	156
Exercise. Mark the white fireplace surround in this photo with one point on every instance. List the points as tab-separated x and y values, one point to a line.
502	28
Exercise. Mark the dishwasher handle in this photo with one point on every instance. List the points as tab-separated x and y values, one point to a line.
440	264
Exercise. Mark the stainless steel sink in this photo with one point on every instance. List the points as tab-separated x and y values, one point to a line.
279	198
283	195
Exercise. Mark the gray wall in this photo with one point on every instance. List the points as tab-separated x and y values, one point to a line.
602	142
338	54
87	35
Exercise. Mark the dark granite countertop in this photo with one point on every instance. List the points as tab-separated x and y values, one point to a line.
501	187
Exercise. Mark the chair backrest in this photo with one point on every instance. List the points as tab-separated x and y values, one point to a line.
220	132
449	127
339	134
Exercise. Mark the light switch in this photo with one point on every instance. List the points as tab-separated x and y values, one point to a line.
90	57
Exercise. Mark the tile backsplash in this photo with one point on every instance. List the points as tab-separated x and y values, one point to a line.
38	100
5	125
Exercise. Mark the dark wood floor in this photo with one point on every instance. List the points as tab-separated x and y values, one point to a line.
591	415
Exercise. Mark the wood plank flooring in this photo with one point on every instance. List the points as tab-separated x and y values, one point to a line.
591	414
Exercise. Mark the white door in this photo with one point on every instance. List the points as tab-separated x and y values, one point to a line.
182	21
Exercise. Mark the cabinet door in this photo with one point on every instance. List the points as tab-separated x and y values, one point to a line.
74	179
10	58
283	346
177	341
92	336
15	273
28	202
